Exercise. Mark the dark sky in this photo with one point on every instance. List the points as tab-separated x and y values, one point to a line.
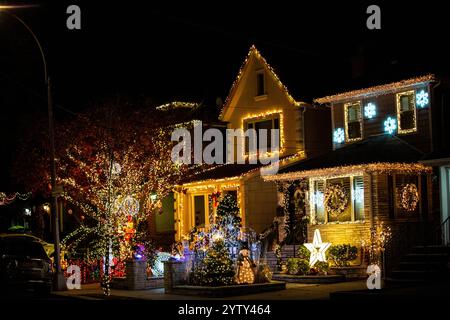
193	51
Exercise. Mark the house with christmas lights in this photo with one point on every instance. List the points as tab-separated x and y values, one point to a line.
389	166
257	100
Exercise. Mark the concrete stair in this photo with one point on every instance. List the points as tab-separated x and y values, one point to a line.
423	264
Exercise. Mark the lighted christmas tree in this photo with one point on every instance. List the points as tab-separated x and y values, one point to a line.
217	268
228	206
228	219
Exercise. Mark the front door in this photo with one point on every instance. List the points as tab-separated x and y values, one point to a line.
199	211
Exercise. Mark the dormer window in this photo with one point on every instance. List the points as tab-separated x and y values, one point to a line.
260	85
406	112
353	121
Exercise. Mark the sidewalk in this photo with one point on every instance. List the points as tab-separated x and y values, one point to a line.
294	291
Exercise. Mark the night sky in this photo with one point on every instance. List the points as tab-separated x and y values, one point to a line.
193	52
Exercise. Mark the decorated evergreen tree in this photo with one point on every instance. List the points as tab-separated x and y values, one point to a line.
228	206
228	219
217	268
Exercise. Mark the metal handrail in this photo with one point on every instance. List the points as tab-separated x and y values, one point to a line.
444	227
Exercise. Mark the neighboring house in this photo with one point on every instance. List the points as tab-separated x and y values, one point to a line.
162	222
259	100
374	174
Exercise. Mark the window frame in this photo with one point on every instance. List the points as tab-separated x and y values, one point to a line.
346	122
399	112
325	181
260	73
254	121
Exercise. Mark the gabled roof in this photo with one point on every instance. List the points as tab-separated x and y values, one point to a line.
376	90
226	171
257	54
361	155
235	170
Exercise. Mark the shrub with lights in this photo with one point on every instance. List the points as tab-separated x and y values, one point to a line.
342	254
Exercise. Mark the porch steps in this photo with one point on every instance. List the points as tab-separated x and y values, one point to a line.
422	265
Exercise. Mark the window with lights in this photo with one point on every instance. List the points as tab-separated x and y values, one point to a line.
406	112
335	200
264	124
353	121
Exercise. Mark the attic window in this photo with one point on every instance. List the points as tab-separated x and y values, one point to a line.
260	85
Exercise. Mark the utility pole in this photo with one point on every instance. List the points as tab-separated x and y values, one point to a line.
59	281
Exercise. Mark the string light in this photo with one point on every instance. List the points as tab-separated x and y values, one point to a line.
115	195
400	111
5	199
254	52
268	115
347	106
245	274
376	90
339	171
177	105
409	197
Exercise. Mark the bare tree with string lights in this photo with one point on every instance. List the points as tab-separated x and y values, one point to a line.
115	166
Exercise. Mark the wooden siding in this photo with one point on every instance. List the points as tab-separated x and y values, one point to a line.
386	106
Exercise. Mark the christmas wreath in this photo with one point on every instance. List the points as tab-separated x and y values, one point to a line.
336	199
409	197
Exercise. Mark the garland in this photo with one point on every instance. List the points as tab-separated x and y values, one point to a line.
336	199
5	199
409	197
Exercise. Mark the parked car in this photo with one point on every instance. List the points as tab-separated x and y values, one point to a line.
48	247
24	264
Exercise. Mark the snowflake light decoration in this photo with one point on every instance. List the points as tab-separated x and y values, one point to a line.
370	110
358	195
390	125
339	135
422	98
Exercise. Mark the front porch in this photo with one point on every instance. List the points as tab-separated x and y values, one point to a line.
373	195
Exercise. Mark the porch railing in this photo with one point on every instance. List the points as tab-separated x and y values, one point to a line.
444	231
404	236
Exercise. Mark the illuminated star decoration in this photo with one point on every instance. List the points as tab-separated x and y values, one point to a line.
422	98
370	110
317	249
390	125
338	135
